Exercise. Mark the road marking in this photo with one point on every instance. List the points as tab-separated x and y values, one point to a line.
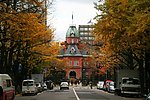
76	94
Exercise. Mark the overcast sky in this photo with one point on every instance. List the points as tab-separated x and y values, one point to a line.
83	11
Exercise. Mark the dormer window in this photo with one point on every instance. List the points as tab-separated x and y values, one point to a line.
72	34
77	41
72	51
72	40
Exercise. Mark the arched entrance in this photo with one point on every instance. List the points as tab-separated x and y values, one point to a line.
72	74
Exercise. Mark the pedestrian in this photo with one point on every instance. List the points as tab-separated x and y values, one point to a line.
91	84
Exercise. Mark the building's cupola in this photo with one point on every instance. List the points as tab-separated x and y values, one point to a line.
72	35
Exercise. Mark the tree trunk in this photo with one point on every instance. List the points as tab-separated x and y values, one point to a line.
147	71
142	78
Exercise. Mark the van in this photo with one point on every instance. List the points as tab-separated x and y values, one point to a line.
100	84
7	90
29	87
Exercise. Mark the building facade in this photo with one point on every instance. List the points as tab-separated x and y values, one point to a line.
85	32
74	55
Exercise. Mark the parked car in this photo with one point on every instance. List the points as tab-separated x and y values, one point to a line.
148	97
106	84
39	87
100	84
64	85
44	86
29	87
110	87
50	84
7	90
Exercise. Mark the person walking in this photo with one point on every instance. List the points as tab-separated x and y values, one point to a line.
90	84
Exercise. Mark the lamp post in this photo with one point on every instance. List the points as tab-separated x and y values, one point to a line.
83	76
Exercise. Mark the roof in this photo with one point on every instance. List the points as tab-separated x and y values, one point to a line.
28	80
5	76
72	50
72	31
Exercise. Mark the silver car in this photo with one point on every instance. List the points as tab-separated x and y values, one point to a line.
64	85
39	87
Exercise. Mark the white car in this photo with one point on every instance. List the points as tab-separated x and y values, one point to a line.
29	87
44	86
100	84
64	85
111	87
39	87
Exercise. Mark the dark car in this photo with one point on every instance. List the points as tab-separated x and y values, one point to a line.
50	84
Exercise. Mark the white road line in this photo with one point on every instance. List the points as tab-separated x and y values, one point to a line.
76	94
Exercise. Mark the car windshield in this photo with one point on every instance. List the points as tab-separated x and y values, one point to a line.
64	83
38	84
111	83
100	82
28	83
130	81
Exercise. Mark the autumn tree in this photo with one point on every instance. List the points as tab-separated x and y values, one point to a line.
22	29
50	57
55	67
123	26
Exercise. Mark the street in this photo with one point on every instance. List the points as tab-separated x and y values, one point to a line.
101	43
75	93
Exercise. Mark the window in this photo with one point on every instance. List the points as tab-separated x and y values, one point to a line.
86	38
70	63
81	33
8	82
72	34
130	81
72	40
86	29
82	29
28	83
67	41
85	63
81	38
90	38
72	51
77	40
76	63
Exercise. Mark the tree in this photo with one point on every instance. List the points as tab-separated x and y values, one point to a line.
22	29
124	25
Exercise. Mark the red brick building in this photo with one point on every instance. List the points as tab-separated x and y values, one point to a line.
73	54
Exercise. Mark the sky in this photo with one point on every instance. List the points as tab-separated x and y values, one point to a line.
82	10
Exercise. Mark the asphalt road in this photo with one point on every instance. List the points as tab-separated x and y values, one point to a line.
75	93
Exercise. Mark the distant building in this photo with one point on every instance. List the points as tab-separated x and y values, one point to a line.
74	55
85	32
